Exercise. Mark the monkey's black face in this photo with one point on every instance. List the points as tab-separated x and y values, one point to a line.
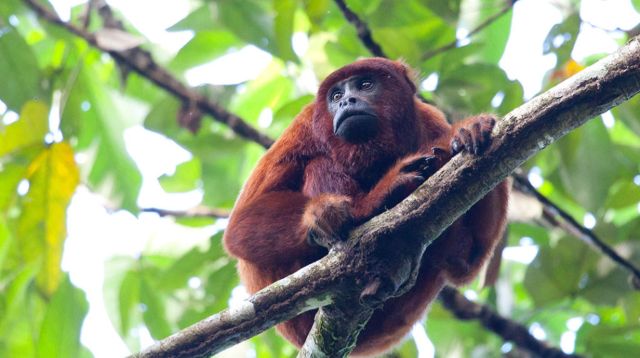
350	102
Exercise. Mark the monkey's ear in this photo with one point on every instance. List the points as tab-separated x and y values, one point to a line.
410	75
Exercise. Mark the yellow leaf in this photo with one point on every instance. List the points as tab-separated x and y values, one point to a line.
28	130
569	69
53	177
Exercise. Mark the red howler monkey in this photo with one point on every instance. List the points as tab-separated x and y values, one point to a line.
364	145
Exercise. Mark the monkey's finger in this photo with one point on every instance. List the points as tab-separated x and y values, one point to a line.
476	138
467	139
417	164
439	152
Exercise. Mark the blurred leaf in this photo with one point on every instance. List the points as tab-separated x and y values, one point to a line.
5	242
471	88
493	37
316	10
60	332
623	194
269	90
185	267
18	338
235	15
21	77
283	27
629	113
186	177
557	271
53	177
636	4
199	19
216	43
588	170
128	301
93	116
10	177
562	38
449	10
28	130
608	341
154	313
270	345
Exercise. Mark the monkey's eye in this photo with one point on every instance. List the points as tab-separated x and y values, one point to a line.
366	84
335	96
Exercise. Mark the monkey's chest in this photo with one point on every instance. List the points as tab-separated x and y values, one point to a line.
323	175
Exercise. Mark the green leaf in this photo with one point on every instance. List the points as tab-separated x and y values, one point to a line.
623	194
5	243
235	15
186	177
588	170
10	177
628	113
493	37
53	177
561	39
446	9
200	19
14	297
128	300
28	130
154	312
283	28
101	127
190	55
19	71
269	90
60	332
557	271
636	4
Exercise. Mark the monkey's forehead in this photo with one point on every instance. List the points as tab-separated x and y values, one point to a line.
375	65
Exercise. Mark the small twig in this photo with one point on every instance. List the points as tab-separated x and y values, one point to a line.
453	44
509	330
197	212
558	217
142	63
91	4
364	33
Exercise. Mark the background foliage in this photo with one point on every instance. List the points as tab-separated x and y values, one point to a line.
67	106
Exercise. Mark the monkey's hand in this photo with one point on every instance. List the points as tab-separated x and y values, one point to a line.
327	218
411	172
473	134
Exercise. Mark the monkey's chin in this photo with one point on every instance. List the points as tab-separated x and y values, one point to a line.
358	128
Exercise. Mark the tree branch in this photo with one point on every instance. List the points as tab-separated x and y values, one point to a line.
511	331
430	209
141	62
453	44
364	33
560	218
197	212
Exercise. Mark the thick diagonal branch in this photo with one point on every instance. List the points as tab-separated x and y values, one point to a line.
435	205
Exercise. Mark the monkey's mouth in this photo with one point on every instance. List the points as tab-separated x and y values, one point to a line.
355	126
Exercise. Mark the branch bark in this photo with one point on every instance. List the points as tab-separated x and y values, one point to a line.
435	205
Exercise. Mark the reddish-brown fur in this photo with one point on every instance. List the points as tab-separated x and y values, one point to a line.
313	180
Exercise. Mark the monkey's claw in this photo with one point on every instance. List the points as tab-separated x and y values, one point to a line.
424	166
